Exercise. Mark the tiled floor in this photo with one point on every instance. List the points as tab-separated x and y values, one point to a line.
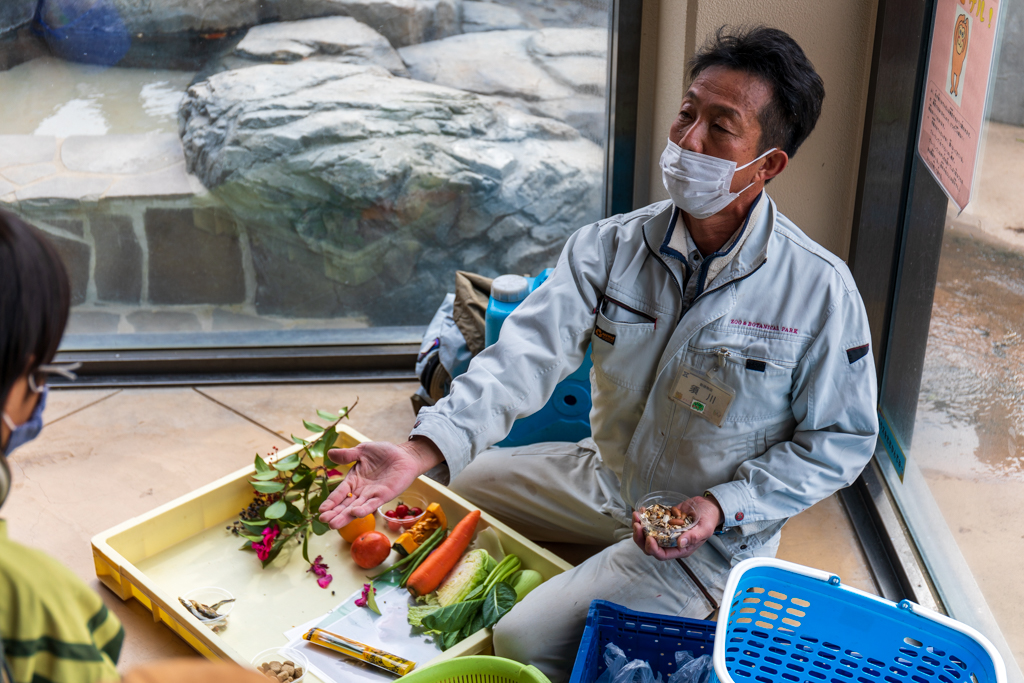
108	455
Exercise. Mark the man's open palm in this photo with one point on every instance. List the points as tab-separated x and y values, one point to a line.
381	471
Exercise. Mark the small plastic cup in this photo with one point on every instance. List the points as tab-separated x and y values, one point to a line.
412	500
666	534
282	655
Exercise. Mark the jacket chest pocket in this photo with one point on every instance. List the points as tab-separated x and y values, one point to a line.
763	386
626	348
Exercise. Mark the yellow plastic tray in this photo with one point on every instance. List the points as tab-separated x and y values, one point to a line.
184	544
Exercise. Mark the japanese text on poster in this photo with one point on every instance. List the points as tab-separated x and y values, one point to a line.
956	88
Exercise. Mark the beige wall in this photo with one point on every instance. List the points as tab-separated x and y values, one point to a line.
817	190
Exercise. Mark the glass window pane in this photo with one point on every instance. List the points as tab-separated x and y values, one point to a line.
266	167
966	463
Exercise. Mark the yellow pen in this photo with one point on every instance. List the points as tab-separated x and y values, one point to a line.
356	650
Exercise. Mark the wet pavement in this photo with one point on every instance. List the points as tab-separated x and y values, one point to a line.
972	391
969	433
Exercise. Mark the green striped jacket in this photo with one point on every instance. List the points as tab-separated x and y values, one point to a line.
54	627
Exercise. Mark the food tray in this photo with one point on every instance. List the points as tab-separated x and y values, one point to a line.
160	555
654	638
786	623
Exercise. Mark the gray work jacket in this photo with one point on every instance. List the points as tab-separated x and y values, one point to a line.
783	321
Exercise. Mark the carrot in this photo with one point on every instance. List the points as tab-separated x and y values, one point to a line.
431	572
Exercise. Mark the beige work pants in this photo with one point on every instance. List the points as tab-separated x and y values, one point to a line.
562	492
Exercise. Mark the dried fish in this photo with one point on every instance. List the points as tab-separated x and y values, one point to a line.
205	612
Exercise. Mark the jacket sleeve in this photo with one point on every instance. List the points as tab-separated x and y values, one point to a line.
834	403
541	343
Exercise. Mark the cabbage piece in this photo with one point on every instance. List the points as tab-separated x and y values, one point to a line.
471	571
418	612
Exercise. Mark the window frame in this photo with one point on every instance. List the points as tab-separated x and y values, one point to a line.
899	223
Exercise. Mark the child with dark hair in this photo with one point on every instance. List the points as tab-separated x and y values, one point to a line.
53	626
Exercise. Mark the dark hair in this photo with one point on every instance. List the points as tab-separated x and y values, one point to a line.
775	58
35	297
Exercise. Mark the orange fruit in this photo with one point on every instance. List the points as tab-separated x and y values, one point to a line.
358	527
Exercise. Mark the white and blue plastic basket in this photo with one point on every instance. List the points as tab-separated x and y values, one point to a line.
784	623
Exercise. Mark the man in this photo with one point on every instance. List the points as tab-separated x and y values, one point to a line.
731	365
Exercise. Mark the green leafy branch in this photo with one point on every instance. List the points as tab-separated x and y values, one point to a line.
290	491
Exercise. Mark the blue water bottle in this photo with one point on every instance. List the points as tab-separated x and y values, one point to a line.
566	415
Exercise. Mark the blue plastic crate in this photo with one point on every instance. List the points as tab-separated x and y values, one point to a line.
641	635
785	623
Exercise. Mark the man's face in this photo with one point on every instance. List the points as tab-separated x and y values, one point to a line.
718	117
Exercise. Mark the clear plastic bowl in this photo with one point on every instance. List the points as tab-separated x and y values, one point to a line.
413	500
282	654
667	536
210	595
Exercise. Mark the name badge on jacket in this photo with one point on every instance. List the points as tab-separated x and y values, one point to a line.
703	395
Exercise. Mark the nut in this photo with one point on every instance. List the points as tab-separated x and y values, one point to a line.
275	667
665	524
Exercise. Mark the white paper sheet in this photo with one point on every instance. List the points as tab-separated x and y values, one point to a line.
389	632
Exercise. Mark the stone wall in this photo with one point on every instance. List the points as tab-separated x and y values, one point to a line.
147	247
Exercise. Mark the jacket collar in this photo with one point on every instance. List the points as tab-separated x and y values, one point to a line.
751	245
751	255
656	228
751	248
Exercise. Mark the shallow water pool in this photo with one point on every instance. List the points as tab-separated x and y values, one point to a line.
48	96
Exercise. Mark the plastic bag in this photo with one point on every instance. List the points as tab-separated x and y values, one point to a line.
621	670
691	670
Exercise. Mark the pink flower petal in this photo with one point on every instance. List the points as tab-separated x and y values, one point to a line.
262	550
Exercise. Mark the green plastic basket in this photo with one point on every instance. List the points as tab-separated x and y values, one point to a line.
477	669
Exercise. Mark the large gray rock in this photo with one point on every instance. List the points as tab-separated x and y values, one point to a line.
365	192
490	16
403	22
166	17
337	39
17	44
186	34
556	72
564	13
15	13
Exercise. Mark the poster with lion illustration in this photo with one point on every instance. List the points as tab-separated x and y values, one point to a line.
956	90
958	55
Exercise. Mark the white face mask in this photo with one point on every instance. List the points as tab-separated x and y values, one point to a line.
697	183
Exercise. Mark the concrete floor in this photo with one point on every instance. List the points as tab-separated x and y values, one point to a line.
108	455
